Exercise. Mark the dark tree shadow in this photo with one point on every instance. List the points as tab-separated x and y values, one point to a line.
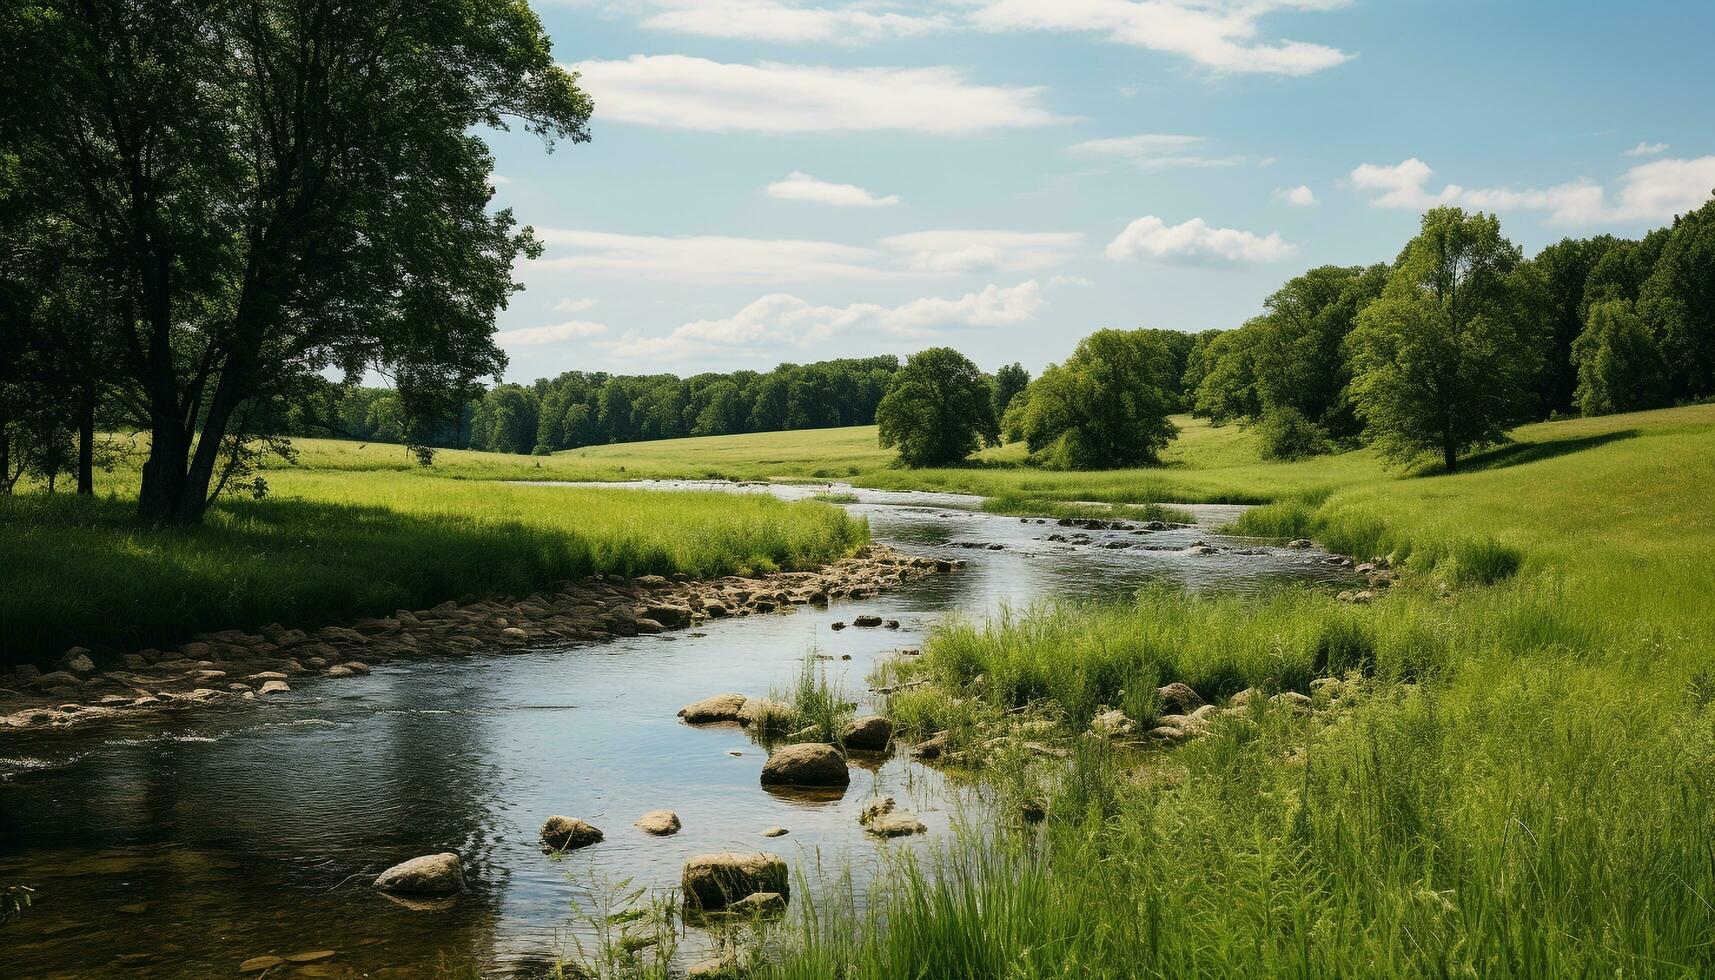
1519	453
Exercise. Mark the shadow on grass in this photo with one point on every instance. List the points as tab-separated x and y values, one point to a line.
1519	453
85	571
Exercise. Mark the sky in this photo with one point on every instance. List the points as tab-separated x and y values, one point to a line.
778	181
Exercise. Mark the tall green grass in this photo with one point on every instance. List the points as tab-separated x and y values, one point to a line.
330	547
1523	786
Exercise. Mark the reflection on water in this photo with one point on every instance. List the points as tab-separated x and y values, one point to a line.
183	846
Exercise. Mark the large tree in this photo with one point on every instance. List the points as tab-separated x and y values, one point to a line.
277	188
1619	363
1447	359
1677	303
1565	268
1009	380
1106	406
1299	360
938	410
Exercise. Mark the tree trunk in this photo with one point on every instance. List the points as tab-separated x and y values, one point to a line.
5	459
86	442
164	471
1451	454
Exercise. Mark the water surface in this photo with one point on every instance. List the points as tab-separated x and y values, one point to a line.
183	845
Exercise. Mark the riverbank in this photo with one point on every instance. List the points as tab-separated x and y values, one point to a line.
1499	767
233	665
327	548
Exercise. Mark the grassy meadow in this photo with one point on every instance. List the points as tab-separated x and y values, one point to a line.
1517	778
327	546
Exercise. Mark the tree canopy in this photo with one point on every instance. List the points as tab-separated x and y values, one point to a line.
1447	358
938	410
1106	406
1619	362
262	191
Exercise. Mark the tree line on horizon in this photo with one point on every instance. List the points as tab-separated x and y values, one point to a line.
1443	351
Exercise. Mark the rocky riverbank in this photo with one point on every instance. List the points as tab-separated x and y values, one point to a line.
233	665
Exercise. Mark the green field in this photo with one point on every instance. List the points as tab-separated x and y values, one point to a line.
1518	779
1205	464
329	546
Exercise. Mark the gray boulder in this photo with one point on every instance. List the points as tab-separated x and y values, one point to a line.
432	874
567	834
660	823
806	764
720	707
870	733
714	881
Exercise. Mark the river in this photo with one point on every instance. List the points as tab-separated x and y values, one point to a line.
183	845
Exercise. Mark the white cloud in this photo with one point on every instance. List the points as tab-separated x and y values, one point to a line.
705	258
802	187
775	20
1398	186
570	305
1652	191
551	334
1647	149
1156	151
783	319
1299	197
968	250
498	180
1195	241
695	93
1218	34
1659	190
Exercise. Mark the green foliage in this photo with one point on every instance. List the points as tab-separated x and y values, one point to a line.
506	420
1008	382
1446	360
1106	406
937	411
1566	268
1677	303
1226	388
1284	433
1620	365
287	213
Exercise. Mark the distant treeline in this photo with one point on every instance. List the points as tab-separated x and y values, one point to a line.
580	408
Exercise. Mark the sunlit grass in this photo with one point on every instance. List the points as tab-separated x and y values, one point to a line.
1523	786
328	547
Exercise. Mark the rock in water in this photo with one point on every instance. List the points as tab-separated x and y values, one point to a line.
432	874
807	764
934	746
866	621
661	823
568	834
897	823
870	732
767	713
759	904
720	707
714	881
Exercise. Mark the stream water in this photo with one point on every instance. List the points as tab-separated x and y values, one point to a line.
181	846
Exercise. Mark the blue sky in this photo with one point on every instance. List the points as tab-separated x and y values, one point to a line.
776	180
